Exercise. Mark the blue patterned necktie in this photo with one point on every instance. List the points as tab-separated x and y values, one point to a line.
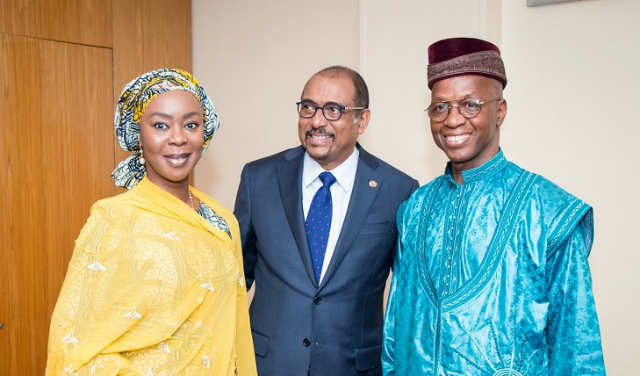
318	222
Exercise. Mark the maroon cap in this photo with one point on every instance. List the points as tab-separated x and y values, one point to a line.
458	56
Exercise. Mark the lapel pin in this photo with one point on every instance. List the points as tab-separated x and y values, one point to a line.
373	183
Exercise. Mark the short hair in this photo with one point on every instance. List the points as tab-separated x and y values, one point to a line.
361	91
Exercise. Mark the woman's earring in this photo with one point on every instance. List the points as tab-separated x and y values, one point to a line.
141	159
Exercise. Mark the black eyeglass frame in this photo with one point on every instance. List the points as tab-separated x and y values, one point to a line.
324	107
450	104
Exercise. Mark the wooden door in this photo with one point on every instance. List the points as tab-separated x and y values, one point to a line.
147	35
61	61
56	153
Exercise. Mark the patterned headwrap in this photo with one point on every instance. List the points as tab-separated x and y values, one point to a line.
135	98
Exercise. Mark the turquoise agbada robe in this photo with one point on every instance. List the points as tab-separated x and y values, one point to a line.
491	279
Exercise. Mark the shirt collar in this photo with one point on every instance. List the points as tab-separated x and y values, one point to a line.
483	171
345	173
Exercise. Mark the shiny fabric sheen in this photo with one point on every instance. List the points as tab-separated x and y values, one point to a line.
491	278
153	288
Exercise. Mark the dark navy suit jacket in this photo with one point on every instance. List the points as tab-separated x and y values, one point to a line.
300	327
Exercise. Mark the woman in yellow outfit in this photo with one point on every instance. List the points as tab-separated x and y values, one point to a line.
155	285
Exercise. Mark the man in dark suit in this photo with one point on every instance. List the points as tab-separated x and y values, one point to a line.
318	236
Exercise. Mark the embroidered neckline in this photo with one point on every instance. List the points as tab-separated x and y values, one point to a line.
482	172
495	251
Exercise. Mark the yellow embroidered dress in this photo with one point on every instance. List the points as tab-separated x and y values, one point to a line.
153	289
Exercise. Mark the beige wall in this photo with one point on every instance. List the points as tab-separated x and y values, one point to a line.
572	78
253	57
573	95
393	60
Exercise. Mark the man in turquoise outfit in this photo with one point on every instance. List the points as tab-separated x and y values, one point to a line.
491	275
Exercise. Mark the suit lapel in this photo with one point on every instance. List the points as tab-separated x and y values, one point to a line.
362	197
290	181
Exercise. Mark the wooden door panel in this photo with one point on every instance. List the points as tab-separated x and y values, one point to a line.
56	154
142	43
150	34
84	22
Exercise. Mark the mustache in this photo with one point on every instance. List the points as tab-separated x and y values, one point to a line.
317	132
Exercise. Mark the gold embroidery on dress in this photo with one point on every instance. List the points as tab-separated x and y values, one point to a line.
70	339
96	267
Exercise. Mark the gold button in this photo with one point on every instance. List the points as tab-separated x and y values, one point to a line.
373	183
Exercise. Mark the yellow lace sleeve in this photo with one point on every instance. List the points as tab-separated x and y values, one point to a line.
98	302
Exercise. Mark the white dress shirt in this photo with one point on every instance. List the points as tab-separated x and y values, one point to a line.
345	175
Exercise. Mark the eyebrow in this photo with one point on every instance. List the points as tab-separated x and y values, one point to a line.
314	102
444	99
161	114
167	116
191	114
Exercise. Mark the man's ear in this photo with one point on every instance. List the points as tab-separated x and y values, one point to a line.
502	112
363	120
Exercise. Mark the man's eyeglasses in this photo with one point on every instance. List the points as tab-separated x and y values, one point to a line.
468	107
332	111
